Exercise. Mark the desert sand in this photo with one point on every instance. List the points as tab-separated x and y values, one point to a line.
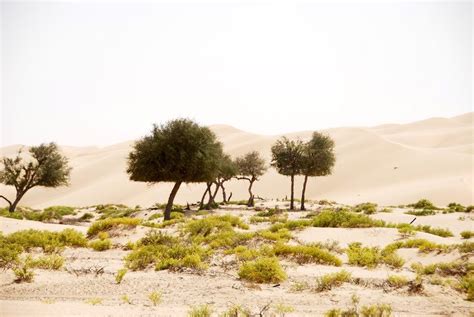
67	292
389	164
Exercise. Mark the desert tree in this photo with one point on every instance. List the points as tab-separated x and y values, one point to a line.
226	170
179	151
318	159
46	168
250	167
287	159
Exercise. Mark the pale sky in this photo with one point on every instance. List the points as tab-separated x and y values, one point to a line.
97	74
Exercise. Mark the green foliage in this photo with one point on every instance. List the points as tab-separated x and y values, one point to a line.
14	215
467	234
455	207
155	298
423	212
94	301
406	231
456	268
367	208
280	235
48	262
112	223
100	244
345	219
423	204
282	309
120	275
397	281
86	216
262	270
211	224
466	247
318	156
287	156
165	252
363	256
178	151
328	281
306	254
467	285
47	240
424	228
469	208
23	272
200	311
236	311
47	168
377	310
116	212
9	253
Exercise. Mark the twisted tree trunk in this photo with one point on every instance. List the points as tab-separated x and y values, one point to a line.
169	205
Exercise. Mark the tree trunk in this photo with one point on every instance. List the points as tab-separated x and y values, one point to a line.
169	206
250	203
303	192
212	197
201	205
292	198
230	196
224	195
14	204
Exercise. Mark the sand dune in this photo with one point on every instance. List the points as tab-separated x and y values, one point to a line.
388	164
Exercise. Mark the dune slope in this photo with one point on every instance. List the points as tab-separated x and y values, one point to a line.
389	164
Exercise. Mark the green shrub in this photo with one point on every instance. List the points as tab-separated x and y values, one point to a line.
466	247
424	212
23	272
424	228
236	311
165	252
467	234
14	215
47	240
397	281
100	245
455	207
212	224
366	208
120	275
469	208
112	223
86	216
363	256
393	260
345	219
94	301
48	262
280	235
423	204
377	310
158	215
306	254
328	281
262	270
103	235
200	311
456	268
9	254
407	231
467	285
155	297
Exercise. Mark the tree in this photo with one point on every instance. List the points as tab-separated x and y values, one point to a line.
180	151
250	167
227	170
318	159
47	168
287	159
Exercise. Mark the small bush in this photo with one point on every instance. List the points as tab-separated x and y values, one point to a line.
109	224
94	301
212	224
47	240
397	281
100	245
423	204
467	285
466	247
283	309
280	235
424	212
262	270
86	217
467	234
469	208
155	298
406	231
48	262
120	275
377	310
200	311
363	256
9	254
366	208
306	254
236	311
328	281
24	273
455	207
345	219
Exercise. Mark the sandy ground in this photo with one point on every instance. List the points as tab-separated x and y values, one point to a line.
389	164
66	292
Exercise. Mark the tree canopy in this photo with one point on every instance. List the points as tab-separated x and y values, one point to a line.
179	151
47	168
250	167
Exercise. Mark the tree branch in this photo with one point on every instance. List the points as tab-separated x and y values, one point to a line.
8	201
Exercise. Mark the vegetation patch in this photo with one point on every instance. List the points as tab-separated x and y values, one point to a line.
331	280
363	256
200	311
165	252
423	204
467	234
100	244
47	240
262	270
366	208
423	212
112	223
345	219
397	281
306	254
